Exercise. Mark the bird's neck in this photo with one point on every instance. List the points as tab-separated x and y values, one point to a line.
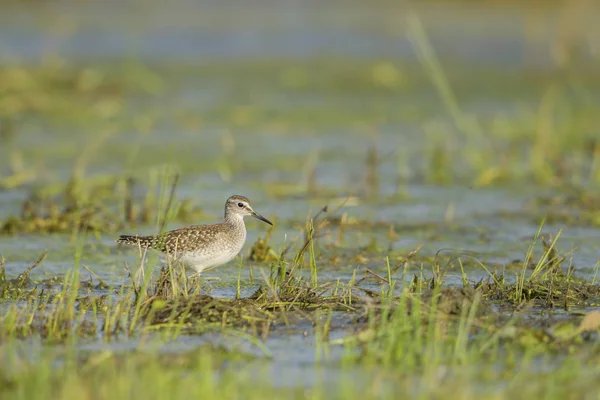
234	219
236	222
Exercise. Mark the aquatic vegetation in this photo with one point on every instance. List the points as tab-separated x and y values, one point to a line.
96	205
409	333
407	191
573	206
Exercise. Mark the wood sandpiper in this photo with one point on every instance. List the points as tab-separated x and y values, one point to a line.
203	247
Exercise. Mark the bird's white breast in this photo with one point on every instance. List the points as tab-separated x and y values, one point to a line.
206	258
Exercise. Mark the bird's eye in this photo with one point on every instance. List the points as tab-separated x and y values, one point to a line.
240	205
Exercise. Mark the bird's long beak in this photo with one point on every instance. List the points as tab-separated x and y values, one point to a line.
263	219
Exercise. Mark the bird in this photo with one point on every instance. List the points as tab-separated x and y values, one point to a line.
203	247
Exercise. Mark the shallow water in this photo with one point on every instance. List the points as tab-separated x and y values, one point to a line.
189	30
269	162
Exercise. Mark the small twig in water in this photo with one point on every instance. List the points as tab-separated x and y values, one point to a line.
23	277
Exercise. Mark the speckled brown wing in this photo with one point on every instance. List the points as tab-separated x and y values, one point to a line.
191	238
186	239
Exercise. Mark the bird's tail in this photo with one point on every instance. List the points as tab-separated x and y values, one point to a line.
141	241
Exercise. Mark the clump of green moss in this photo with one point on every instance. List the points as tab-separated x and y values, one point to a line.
547	282
575	206
18	287
199	308
102	205
261	251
